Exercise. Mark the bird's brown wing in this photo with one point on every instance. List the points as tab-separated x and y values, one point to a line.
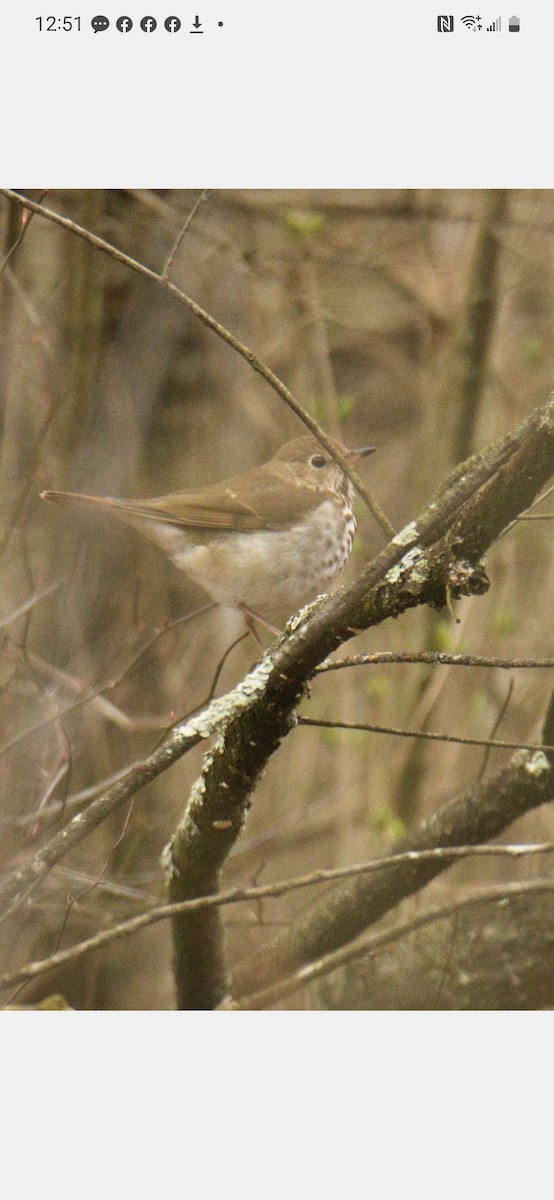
268	502
259	507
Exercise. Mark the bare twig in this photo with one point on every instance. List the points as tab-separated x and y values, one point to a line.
52	810
198	204
432	657
25	222
536	517
350	908
94	883
267	997
48	792
474	325
501	714
259	892
90	694
210	322
16	886
27	605
419	733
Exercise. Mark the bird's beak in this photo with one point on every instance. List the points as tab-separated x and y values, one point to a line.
361	452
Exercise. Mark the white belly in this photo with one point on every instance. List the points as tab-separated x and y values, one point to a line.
273	573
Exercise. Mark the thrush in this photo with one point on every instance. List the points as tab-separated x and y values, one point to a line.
267	541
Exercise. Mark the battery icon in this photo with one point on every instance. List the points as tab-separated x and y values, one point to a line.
513	25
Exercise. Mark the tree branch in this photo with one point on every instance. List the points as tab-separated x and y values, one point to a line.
453	963
433	556
18	885
210	322
241	895
267	997
476	816
439	552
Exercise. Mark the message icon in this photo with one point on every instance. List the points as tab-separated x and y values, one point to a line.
99	24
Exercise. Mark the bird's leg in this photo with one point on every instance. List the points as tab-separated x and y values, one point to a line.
250	616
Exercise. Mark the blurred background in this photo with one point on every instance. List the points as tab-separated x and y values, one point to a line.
421	321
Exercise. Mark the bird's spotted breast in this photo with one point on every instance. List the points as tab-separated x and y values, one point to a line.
275	572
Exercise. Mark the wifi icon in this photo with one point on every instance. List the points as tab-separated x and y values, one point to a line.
471	23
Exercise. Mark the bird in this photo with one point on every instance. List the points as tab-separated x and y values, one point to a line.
266	542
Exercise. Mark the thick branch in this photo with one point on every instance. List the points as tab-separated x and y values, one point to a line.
449	964
260	711
344	913
328	963
435	555
237	895
213	819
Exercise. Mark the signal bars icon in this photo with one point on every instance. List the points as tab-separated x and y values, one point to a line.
445	24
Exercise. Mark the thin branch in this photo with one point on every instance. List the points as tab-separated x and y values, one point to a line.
198	204
346	911
24	227
210	322
37	326
525	515
216	677
270	891
75	800
435	658
268	997
94	883
18	885
498	721
543	496
99	703
27	605
475	323
418	733
91	694
48	792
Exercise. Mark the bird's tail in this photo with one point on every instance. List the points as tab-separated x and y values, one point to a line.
105	502
158	527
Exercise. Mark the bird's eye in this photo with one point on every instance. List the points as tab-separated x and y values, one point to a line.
318	460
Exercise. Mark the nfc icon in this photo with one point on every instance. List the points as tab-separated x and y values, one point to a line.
445	24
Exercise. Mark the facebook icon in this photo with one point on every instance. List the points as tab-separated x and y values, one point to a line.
148	24
172	24
124	24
